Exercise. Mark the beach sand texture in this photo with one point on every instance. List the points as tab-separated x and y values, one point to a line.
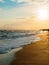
36	53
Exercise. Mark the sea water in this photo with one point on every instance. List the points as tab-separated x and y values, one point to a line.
13	41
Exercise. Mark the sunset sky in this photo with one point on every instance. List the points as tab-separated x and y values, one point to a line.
24	14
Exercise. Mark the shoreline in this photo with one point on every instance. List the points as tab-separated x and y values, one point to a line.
36	53
9	56
6	58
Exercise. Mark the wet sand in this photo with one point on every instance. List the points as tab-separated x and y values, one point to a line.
36	53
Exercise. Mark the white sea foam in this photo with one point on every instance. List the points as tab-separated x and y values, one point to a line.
6	46
5	59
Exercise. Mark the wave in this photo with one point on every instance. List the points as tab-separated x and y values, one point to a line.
14	40
13	35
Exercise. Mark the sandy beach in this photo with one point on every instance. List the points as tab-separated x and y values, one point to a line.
36	53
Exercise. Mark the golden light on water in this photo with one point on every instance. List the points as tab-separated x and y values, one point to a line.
42	13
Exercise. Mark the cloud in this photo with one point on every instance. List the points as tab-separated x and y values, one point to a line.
19	1
42	1
14	0
1	0
16	12
22	11
30	1
24	0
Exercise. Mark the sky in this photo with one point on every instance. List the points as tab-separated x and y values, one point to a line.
22	14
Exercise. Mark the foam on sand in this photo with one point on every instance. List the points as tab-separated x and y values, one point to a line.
6	58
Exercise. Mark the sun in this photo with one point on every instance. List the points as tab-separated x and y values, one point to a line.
42	13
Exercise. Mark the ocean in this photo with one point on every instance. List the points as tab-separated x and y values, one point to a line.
13	39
